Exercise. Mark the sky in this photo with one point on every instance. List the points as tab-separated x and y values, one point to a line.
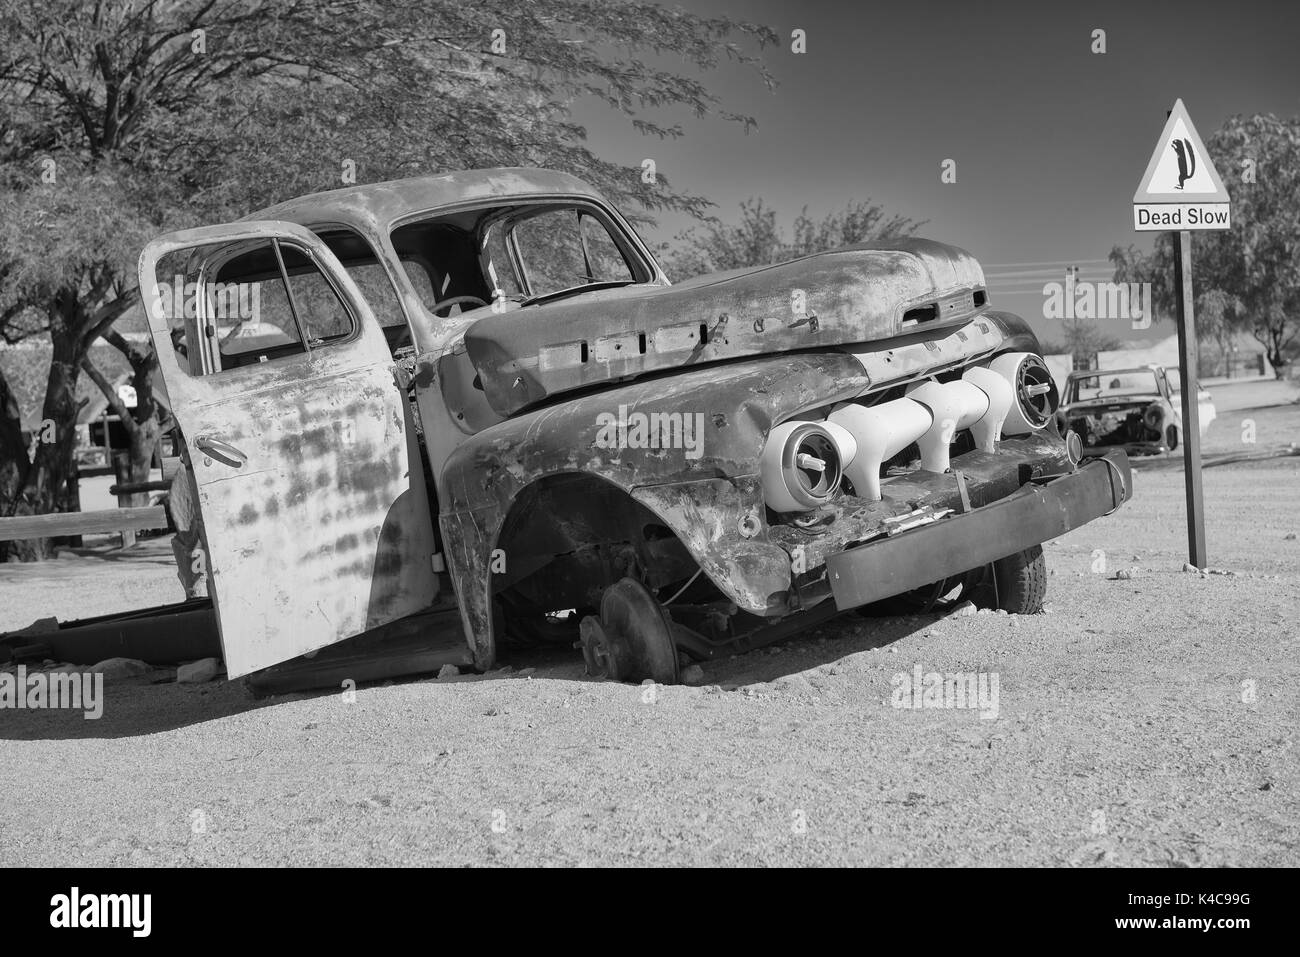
1050	139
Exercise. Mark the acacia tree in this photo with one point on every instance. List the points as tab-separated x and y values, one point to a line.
758	239
124	117
64	273
1246	278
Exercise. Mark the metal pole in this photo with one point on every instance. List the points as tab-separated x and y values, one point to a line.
1191	437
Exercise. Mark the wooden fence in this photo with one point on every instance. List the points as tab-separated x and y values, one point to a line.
109	521
124	520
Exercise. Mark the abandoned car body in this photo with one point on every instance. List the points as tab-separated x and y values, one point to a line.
657	472
1138	410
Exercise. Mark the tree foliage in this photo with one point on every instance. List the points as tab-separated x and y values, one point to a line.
122	118
758	239
271	97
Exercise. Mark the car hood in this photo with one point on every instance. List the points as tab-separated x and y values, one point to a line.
861	293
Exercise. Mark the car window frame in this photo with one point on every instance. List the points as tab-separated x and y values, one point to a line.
212	265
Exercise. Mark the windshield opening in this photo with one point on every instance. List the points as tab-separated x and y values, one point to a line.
1106	385
513	255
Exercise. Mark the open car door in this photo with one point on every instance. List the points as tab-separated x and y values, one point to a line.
315	514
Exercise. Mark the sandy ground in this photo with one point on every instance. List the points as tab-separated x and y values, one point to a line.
1232	394
1252	416
1150	720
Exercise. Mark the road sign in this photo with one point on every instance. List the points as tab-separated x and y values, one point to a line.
1181	192
1181	189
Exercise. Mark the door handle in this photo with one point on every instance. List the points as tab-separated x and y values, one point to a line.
221	451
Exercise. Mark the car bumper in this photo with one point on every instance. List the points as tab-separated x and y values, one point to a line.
949	546
1129	448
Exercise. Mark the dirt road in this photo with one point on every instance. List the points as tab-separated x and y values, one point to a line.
1148	720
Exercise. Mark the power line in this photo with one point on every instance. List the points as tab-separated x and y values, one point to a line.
1055	262
1054	274
1040	283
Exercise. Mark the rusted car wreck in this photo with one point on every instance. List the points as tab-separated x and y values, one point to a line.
654	472
1137	410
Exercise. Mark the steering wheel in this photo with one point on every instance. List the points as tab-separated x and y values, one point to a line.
456	301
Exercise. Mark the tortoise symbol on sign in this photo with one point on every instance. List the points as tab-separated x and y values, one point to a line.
1186	160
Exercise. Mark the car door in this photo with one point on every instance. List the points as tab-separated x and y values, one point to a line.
315	515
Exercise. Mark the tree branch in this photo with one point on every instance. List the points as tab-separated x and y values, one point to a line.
106	315
114	402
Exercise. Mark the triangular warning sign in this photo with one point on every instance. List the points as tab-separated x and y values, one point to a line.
1180	170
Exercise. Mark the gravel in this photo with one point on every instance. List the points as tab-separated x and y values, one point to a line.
1148	721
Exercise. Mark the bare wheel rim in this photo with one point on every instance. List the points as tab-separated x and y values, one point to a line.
639	632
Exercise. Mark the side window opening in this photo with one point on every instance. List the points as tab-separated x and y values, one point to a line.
250	303
441	256
421	277
363	265
250	319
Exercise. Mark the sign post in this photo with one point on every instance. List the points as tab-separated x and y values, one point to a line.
1188	354
1182	192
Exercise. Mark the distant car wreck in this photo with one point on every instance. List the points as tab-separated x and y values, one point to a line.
658	473
1136	410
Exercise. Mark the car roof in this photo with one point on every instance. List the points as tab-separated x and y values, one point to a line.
379	205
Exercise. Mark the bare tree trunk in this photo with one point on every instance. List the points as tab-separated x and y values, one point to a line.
45	486
148	422
1274	343
13	453
143	441
1275	357
146	425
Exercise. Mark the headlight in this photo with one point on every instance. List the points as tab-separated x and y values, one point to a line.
801	466
1035	392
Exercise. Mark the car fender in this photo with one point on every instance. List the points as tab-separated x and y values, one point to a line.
706	493
708	480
